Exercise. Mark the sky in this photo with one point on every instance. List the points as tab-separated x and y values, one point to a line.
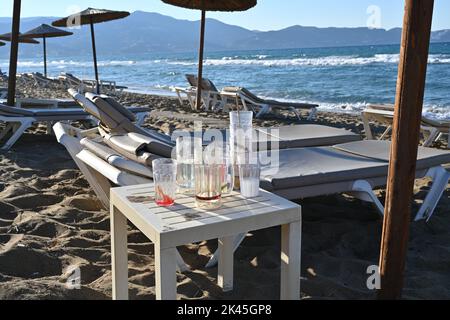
267	15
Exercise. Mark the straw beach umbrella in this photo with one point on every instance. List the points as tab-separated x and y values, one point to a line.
43	32
91	16
209	5
21	39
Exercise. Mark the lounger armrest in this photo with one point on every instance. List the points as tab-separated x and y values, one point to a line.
113	174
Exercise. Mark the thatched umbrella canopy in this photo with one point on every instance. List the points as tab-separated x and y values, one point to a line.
91	16
45	31
209	5
8	37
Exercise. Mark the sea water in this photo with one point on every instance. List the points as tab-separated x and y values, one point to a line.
338	79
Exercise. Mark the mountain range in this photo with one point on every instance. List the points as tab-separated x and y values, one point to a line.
145	32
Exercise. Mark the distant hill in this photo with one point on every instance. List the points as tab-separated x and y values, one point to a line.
145	32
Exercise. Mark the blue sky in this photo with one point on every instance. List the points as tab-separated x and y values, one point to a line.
268	15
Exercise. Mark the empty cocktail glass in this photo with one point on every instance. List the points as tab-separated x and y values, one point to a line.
208	185
164	177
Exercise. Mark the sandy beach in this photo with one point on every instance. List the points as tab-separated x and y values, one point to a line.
51	221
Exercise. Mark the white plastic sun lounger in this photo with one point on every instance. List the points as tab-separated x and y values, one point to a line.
106	111
355	168
105	168
18	120
211	97
433	130
252	102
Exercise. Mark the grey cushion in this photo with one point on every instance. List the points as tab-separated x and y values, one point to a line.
41	113
307	135
347	162
12	111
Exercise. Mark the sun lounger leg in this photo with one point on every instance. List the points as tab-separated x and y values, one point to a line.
312	114
297	114
10	126
448	144
385	133
440	178
367	128
49	127
264	109
431	136
215	257
181	265
180	99
362	190
141	116
17	134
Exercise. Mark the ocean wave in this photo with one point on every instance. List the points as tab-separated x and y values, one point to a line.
314	61
431	111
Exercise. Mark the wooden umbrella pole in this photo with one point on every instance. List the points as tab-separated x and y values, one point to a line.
200	61
94	53
405	140
44	41
14	53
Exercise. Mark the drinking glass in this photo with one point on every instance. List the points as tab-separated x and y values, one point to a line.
241	135
185	164
219	153
208	185
164	177
249	175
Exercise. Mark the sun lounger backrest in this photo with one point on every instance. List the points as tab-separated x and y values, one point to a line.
207	84
108	102
93	110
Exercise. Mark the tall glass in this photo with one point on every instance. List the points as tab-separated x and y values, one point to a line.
208	185
164	177
241	140
187	149
241	135
185	161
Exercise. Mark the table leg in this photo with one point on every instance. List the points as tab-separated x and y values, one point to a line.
226	257
290	261
165	273
119	257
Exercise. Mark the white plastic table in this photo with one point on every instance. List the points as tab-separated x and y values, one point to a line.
183	223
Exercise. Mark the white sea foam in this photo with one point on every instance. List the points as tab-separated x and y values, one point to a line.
313	61
432	111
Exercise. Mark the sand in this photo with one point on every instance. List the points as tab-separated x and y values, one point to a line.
51	221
